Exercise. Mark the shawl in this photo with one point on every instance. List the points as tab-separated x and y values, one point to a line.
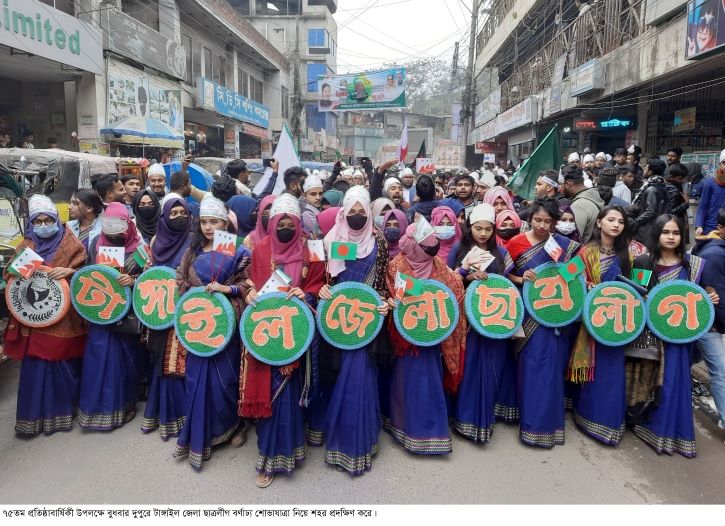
363	238
393	246
130	235
446	244
243	207
326	219
168	246
496	192
259	232
147	227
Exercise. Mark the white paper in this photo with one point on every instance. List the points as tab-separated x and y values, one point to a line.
277	282
478	259
423	229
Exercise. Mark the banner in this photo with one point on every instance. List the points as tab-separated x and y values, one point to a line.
425	165
705	27
494	307
204	323
98	297
362	91
38	301
679	311
551	300
429	317
350	320
155	296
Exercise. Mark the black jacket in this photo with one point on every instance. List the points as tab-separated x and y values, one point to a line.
678	204
650	203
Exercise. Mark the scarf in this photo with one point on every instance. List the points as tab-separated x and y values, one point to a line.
131	240
45	247
147	227
326	219
243	207
496	192
169	246
259	231
290	255
333	197
394	246
453	204
381	203
419	261
506	215
363	238
446	244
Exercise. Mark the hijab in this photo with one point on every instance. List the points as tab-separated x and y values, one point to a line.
363	238
45	247
147	227
259	231
496	192
290	255
453	204
574	236
243	207
446	244
333	197
131	240
379	204
169	246
393	246
420	262
326	219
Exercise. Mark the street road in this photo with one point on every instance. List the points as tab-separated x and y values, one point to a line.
126	467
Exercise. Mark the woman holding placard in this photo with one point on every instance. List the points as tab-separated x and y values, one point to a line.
600	408
478	256
51	356
353	419
113	365
212	382
272	394
543	350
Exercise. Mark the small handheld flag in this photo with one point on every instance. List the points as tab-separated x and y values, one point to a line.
316	248
141	256
553	248
111	256
405	284
225	243
277	282
572	269
343	250
641	276
25	263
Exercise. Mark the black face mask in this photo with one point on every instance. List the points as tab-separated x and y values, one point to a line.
356	222
392	234
265	222
117	241
432	251
179	224
285	235
146	212
508	233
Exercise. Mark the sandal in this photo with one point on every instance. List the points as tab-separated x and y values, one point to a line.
130	415
263	481
239	438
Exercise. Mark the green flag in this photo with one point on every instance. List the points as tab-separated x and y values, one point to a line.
141	256
344	251
572	269
641	276
546	156
421	155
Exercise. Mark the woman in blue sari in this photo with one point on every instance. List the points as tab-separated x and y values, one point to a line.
474	415
353	419
212	383
543	351
600	408
113	364
166	392
669	427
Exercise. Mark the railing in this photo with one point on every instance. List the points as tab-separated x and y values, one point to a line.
497	11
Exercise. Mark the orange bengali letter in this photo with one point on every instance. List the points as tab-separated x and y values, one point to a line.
497	306
199	316
615	305
350	315
159	297
97	290
423	307
273	323
677	306
554	291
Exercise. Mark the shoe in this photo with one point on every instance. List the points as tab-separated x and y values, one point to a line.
263	481
239	438
721	425
129	416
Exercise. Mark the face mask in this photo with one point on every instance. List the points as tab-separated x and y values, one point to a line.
285	235
265	222
432	251
179	224
379	222
508	233
445	232
565	227
392	234
146	212
356	222
46	231
117	241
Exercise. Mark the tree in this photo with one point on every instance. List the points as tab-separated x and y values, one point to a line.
428	86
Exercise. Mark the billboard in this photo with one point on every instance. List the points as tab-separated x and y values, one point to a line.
705	26
362	91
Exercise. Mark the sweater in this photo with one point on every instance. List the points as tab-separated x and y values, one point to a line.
712	200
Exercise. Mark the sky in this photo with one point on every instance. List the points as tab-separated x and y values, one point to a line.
371	33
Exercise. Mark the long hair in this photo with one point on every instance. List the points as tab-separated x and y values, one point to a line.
654	241
467	243
621	242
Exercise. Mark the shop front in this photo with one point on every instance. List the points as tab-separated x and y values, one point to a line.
605	133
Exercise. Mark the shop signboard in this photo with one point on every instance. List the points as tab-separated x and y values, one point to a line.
368	132
488	130
37	29
361	91
685	120
489	107
447	155
255	131
556	78
612	123
587	77
130	38
705	27
520	115
215	97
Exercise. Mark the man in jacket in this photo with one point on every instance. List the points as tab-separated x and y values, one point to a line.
651	201
586	202
713	198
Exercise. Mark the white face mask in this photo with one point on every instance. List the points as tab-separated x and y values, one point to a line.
565	227
444	232
379	221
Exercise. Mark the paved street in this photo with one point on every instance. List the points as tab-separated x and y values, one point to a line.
127	467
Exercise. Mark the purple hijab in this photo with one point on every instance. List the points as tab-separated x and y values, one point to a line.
169	246
45	248
393	248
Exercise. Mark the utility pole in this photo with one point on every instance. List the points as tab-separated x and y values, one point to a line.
454	69
468	95
297	102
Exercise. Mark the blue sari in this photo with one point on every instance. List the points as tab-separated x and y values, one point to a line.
542	361
670	427
212	383
474	413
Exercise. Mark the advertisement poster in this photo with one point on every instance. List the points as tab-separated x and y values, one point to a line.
685	120
447	155
705	26
362	91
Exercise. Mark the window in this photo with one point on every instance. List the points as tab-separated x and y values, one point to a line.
186	42
256	90
314	71
285	103
220	70
316	37
243	83
242	6
278	7
196	62
207	64
61	5
145	11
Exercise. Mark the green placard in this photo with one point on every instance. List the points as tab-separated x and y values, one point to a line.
494	307
428	318
98	297
204	322
614	313
551	300
679	311
155	296
277	330
350	319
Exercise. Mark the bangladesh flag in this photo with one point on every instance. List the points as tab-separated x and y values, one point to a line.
572	269
405	284
641	276
344	251
141	256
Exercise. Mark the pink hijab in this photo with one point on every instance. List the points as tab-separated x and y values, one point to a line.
496	192
291	254
506	215
421	263
363	238
394	246
326	219
259	232
131	238
446	244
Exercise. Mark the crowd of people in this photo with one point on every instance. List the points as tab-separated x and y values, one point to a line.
616	213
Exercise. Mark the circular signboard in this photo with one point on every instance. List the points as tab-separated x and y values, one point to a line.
429	317
38	301
494	307
155	296
204	322
614	313
679	311
98	297
350	320
552	301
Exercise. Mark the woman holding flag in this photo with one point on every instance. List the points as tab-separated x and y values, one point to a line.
542	352
113	364
212	383
275	395
353	414
51	356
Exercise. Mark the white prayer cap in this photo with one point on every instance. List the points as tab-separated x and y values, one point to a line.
357	173
113	225
324	174
390	182
41	204
312	181
169	196
588	183
356	194
609	157
631	149
589	158
347	172
407	171
722	156
573	157
482	212
285	204
601	155
315	172
210	206
156	169
475	176
487	178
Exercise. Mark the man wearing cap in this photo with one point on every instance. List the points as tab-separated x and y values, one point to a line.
377	179
486	181
310	203
712	200
408	180
156	178
574	159
600	160
358	179
393	190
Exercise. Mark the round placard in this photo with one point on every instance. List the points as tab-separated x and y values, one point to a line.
204	322
679	311
277	330
98	297
494	307
155	296
427	318
38	301
552	301
614	313
350	320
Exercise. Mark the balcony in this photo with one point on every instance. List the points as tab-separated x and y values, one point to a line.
330	4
